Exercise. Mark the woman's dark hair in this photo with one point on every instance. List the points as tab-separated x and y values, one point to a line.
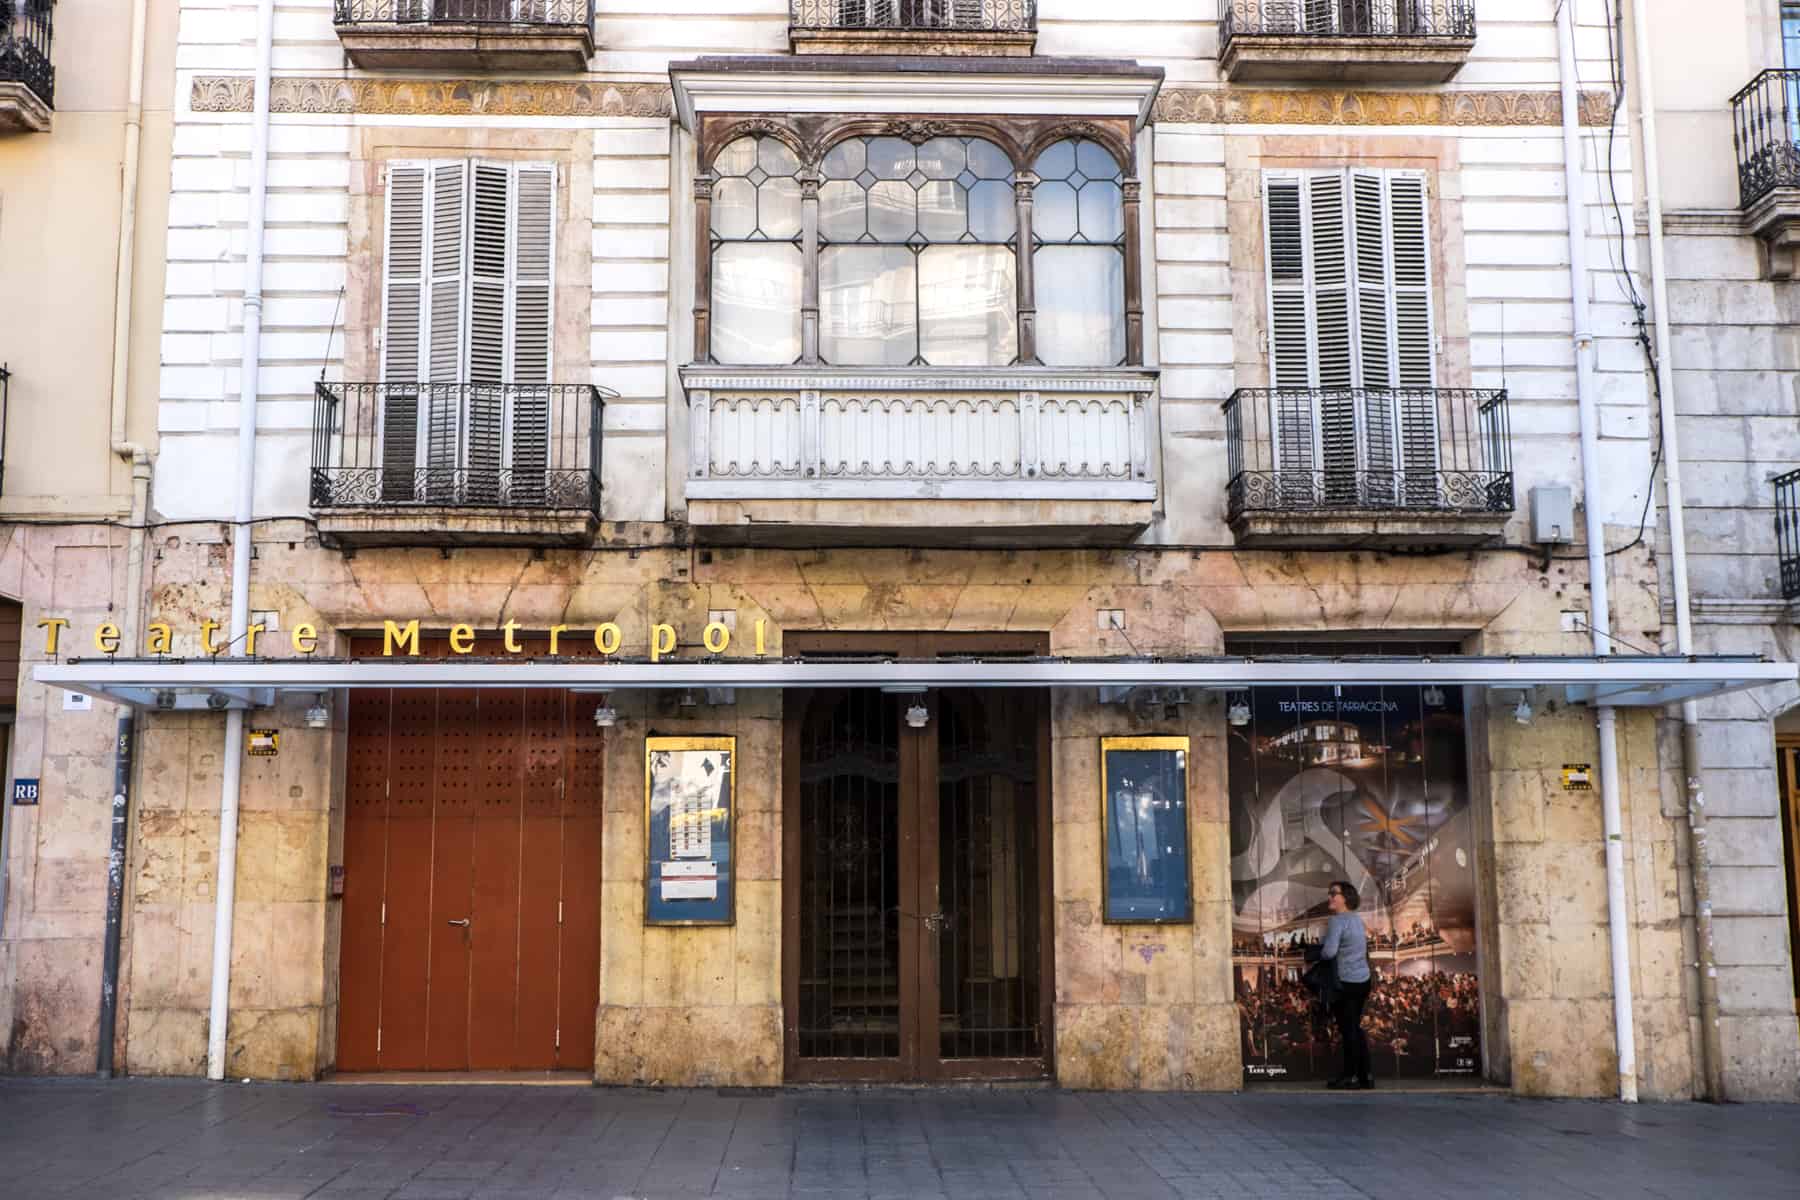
1352	901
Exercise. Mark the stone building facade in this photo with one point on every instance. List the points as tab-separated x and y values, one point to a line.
1035	339
84	176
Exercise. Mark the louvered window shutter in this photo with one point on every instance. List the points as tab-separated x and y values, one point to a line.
403	326
1290	341
1371	260
491	202
1415	357
447	253
533	264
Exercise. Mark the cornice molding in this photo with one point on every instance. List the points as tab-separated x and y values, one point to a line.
1337	106
436	97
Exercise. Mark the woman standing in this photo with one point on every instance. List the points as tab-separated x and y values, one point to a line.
1347	947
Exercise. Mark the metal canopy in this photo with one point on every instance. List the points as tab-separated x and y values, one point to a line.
1624	682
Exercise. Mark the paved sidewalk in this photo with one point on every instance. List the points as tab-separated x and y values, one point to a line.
199	1141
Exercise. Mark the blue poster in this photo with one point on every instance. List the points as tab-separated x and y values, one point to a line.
1146	829
689	789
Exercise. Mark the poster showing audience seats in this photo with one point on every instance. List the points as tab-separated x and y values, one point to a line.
1368	785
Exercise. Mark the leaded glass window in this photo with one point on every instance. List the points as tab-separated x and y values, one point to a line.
1078	229
757	266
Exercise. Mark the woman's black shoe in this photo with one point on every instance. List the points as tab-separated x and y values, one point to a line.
1341	1082
1365	1084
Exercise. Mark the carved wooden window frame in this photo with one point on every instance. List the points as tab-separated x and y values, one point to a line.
1021	139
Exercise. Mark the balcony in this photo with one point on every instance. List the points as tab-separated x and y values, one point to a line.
441	464
1787	532
790	456
953	28
1366	41
467	35
27	78
1336	467
1766	131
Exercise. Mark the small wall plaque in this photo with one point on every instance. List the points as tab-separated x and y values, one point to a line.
25	791
265	743
1578	777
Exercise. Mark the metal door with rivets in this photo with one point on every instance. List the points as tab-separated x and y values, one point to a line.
471	908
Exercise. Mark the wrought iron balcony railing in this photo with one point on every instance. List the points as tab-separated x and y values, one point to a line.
1341	450
1766	131
971	16
25	47
1787	532
466	12
1347	19
457	445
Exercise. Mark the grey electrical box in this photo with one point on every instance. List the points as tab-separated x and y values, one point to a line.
1552	516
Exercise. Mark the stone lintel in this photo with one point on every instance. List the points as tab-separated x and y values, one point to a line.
1265	58
939	43
960	523
22	110
1354	529
1775	221
356	528
468	47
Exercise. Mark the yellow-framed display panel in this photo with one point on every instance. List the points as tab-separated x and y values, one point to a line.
1109	746
723	909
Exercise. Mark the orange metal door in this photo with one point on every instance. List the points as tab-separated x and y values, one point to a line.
471	922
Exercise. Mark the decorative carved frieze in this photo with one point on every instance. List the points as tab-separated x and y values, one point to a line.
1336	106
437	97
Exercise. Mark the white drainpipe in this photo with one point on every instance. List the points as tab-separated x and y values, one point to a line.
220	1012
1712	1053
1599	605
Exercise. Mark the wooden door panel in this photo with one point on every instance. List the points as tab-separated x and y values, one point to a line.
406	930
578	949
455	799
494	904
541	879
365	876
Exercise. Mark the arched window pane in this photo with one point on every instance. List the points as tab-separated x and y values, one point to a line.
1080	305
893	211
1101	209
1053	216
756	302
968	306
993	211
734	208
778	208
737	158
943	211
843	211
868	305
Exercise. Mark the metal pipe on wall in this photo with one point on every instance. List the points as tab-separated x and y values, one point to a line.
1599	603
115	892
1712	1053
219	1011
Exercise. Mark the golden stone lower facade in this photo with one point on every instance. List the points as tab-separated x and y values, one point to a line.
1134	1006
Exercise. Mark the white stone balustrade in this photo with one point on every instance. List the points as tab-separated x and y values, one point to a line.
1003	434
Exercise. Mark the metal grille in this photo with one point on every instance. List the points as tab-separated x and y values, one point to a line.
1347	18
484	445
465	12
5	380
1766	131
988	954
998	16
1787	532
1362	449
25	47
850	878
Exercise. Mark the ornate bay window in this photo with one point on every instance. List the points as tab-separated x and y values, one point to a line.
917	300
918	243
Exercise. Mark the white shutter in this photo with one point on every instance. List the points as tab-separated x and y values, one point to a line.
490	204
403	325
446	286
1415	356
1371	260
1290	418
533	324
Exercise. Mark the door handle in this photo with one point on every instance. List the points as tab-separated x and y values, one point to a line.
935	922
464	922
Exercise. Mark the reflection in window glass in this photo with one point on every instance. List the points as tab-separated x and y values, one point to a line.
1081	305
756	302
1078	225
918	259
756	253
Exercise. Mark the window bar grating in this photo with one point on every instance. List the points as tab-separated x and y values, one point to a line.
979	16
1765	129
465	12
25	55
1346	19
1787	532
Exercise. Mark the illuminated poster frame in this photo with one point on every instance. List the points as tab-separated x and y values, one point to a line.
690	799
1144	794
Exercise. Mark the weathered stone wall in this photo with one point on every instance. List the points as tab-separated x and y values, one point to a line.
1147	1007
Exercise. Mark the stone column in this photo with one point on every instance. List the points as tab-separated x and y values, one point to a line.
809	279
1023	184
703	185
1134	274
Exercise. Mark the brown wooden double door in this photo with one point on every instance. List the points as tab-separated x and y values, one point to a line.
471	910
917	935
